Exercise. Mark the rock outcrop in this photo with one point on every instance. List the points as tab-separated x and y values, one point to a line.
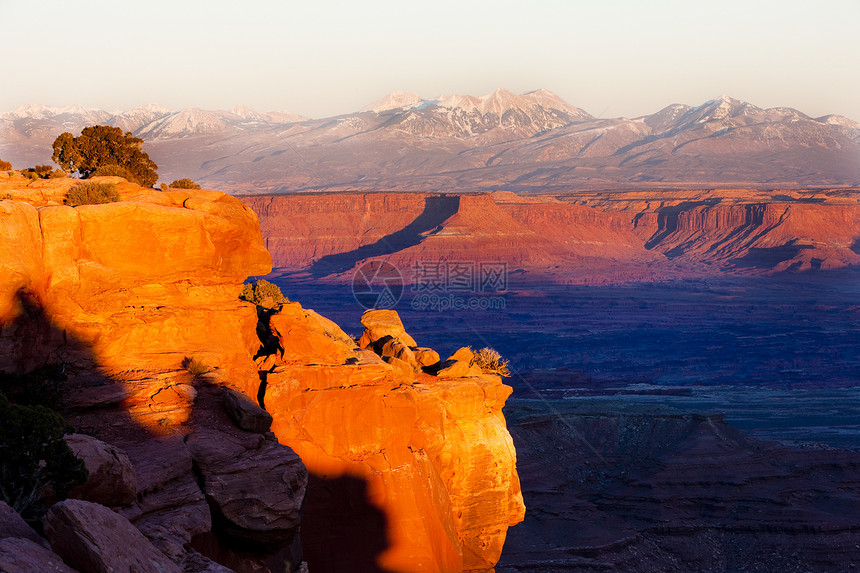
120	297
406	471
111	480
91	537
147	280
18	555
426	463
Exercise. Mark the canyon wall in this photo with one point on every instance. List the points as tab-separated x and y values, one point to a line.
577	238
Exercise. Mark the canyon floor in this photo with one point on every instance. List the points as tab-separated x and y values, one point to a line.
708	424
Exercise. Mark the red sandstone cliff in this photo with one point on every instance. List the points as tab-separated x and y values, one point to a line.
582	238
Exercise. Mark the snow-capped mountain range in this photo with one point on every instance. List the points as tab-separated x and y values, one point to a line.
529	141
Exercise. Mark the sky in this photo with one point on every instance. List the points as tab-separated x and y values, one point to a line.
321	58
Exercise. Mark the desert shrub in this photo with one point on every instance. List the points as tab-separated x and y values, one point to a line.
114	171
184	184
5	165
36	464
164	187
260	290
195	367
92	193
491	362
42	172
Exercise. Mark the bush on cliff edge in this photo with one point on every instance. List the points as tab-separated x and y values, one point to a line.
184	184
92	193
491	362
258	291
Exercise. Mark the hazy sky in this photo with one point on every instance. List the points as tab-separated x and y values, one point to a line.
325	57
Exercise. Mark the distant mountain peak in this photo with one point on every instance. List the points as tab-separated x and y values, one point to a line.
395	100
245	112
41	111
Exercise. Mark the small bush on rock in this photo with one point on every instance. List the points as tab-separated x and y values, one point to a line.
195	367
260	290
491	362
92	193
184	184
36	464
42	172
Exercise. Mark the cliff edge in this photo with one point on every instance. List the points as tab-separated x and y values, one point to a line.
135	306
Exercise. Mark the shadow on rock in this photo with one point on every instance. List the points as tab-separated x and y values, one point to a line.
342	530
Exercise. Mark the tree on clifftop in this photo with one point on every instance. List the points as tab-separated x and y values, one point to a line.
100	146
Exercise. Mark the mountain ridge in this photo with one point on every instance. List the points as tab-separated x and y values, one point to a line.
533	141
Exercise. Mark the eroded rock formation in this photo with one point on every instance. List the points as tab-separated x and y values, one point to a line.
429	459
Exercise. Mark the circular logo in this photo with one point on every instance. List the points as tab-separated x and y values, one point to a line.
377	285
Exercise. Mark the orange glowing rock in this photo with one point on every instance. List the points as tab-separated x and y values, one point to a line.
434	457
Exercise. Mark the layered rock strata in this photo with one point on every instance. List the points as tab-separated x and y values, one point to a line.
584	238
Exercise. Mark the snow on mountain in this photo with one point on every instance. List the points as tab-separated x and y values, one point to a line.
395	100
65	113
456	137
550	100
248	114
137	117
192	121
840	120
501	113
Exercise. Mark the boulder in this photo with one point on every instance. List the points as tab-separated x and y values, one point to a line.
454	369
254	483
13	525
426	357
92	538
394	348
380	323
111	479
19	555
245	413
306	337
464	354
404	477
